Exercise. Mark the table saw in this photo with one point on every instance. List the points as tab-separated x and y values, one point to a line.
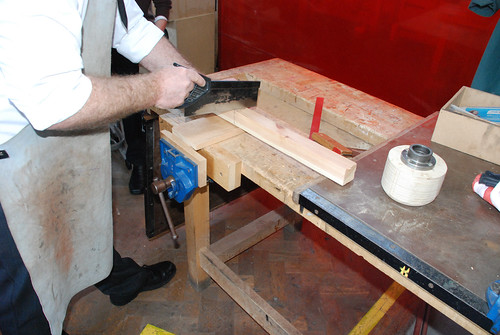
443	252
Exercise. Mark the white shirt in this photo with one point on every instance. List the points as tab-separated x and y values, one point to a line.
41	79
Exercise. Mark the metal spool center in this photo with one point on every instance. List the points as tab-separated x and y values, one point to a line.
418	157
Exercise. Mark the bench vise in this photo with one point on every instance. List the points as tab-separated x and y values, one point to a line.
180	170
180	179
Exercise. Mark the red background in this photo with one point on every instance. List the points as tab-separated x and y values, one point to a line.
415	54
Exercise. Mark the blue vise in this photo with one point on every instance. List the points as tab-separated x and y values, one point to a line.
180	170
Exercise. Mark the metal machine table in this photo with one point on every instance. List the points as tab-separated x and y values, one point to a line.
449	248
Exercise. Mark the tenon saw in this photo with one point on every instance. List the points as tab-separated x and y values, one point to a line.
219	96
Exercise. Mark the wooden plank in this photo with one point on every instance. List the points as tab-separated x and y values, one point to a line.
318	158
222	166
198	159
197	220
205	131
251	302
253	232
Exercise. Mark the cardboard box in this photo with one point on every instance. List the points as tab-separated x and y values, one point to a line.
187	8
466	132
194	37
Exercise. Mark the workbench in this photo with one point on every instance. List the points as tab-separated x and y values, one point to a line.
443	252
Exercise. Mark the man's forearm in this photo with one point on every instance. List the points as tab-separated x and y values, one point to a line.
112	99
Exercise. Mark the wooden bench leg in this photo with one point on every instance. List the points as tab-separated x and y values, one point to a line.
197	220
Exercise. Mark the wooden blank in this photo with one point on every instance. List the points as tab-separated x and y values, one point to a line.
222	166
205	131
313	155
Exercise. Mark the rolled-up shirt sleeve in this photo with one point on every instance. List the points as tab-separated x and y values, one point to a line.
41	78
41	63
139	39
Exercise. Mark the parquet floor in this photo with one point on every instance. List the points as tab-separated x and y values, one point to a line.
313	281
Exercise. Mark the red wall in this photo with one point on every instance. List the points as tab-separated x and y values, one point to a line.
415	54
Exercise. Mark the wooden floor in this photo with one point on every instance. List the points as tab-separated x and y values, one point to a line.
312	280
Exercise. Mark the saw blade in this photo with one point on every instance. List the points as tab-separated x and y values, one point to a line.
224	96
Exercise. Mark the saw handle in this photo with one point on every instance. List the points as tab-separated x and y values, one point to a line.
197	92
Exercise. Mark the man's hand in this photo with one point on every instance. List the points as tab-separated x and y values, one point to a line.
174	85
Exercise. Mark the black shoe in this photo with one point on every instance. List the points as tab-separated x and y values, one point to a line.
158	274
137	180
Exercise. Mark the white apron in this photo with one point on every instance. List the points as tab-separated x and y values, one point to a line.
56	193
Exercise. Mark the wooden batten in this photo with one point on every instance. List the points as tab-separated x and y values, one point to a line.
318	158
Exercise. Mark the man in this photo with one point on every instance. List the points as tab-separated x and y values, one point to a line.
45	251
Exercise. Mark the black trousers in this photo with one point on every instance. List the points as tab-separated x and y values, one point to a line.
20	309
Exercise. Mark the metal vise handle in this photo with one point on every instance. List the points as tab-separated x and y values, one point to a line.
158	187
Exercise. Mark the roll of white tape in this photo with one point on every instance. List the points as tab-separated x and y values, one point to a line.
410	179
